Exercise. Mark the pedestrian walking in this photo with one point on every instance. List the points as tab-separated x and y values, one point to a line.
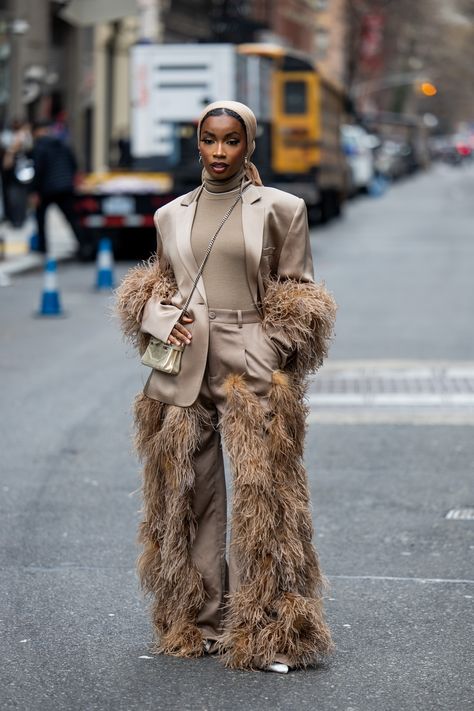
256	326
15	145
53	183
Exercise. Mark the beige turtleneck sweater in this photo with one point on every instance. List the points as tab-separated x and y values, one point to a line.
225	275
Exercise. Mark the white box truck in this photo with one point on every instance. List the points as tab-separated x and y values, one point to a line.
298	114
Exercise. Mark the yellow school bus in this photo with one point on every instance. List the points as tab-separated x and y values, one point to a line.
301	149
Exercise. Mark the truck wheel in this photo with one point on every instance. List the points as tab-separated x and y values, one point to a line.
338	203
325	207
314	214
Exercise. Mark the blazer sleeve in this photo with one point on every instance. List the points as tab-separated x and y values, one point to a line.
159	315
296	261
143	299
298	312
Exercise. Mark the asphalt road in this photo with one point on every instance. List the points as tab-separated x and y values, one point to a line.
384	472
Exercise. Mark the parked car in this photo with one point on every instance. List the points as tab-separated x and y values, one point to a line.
454	149
395	159
358	147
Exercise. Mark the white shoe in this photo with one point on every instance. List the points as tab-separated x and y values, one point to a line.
279	668
210	646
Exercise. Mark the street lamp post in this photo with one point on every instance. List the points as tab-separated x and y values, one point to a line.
13	32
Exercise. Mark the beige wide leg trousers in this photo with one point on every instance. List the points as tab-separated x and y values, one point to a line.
237	345
264	599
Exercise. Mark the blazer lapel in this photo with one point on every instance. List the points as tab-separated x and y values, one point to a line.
253	222
183	241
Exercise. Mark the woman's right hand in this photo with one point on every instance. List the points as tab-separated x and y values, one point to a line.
180	336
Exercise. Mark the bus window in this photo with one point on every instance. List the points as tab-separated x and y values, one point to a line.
294	97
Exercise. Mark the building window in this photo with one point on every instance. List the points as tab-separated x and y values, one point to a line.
318	5
322	41
294	97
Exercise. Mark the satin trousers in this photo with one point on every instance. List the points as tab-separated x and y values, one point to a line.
237	345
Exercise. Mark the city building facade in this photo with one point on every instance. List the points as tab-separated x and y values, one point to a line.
331	39
70	61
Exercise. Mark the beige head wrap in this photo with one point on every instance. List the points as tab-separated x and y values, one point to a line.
248	117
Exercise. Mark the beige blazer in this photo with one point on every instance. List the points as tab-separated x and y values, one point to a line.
276	238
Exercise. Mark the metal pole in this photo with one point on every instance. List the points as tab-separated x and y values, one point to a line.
150	26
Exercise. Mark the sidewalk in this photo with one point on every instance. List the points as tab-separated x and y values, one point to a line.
17	255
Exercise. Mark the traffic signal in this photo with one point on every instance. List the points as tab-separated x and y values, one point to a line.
428	89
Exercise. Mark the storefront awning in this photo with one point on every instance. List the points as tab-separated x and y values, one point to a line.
93	12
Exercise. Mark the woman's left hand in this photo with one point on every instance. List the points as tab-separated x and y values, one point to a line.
180	336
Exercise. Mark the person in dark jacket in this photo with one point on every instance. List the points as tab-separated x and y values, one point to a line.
55	172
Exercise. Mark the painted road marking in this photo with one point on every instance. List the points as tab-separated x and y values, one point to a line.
390	399
12	249
337	417
461	514
395	578
397	392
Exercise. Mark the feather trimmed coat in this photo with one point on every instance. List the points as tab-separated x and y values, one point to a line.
278	607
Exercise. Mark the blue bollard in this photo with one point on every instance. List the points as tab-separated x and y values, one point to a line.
50	301
105	263
378	186
34	242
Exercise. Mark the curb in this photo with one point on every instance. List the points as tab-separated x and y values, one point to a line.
29	263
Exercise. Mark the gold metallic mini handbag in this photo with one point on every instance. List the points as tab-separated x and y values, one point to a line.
166	357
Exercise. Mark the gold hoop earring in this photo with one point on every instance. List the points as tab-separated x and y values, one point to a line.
246	161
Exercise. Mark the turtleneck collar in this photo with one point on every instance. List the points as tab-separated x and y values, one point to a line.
222	186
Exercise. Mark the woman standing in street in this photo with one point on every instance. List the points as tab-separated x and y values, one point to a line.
256	326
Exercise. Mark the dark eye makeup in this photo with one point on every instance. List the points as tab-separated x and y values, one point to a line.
234	140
